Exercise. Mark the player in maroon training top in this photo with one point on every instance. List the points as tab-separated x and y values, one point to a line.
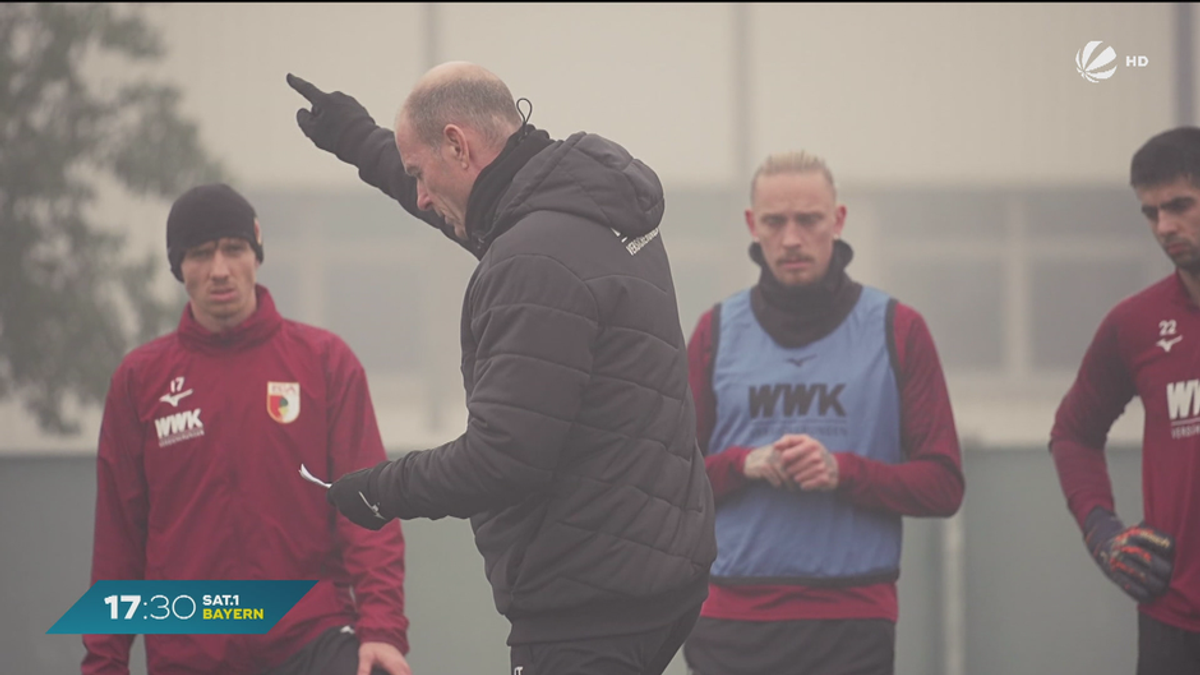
1148	346
204	431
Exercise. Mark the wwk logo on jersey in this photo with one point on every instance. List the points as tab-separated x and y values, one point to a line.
1183	407
283	401
180	426
795	400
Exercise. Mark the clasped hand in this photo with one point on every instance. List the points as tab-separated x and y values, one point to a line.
795	461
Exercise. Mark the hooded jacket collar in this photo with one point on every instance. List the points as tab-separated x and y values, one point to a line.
584	175
494	181
257	328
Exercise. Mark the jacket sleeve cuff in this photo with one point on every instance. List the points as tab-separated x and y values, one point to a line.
740	455
849	470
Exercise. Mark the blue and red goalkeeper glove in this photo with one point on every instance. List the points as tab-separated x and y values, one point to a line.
1137	558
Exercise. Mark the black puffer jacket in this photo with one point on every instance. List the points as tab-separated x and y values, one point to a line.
579	467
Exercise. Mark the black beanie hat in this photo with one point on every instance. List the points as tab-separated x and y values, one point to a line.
205	213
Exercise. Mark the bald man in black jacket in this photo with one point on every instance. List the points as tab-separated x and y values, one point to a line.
579	467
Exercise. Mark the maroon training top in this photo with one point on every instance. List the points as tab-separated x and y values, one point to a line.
198	478
1148	346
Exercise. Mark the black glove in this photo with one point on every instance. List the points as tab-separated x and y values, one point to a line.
1138	558
337	122
355	495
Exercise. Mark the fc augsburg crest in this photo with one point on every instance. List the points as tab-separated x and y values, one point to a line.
283	401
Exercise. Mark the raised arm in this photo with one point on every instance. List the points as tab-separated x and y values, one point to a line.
339	124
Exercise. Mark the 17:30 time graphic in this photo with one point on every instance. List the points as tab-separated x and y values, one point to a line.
162	607
168	606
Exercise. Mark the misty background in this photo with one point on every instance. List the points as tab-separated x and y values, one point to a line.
986	183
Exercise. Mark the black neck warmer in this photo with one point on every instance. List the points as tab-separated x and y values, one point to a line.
493	182
795	316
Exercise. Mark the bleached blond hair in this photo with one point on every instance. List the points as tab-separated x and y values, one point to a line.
792	162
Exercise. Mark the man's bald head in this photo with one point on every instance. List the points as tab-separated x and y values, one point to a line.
463	94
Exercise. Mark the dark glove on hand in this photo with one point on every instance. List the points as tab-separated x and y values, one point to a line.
337	123
1138	558
355	495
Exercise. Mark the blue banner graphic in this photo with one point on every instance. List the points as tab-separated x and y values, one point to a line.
181	607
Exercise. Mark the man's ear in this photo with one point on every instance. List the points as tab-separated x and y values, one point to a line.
839	221
750	224
456	144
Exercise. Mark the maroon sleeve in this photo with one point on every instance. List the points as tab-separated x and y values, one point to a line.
930	481
374	559
1102	389
724	468
119	540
